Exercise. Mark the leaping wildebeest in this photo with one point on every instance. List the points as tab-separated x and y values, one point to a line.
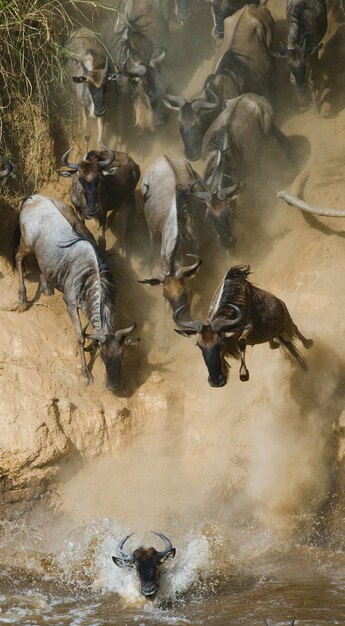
307	24
88	68
174	209
70	261
147	563
139	51
243	64
241	314
233	147
103	181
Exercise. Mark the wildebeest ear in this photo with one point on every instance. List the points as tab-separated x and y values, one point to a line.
79	79
110	172
188	332
122	563
132	341
150	281
65	173
168	555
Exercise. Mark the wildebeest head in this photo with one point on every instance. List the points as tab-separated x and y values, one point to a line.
213	341
8	169
220	209
298	61
87	175
147	91
96	80
192	121
147	563
175	288
112	348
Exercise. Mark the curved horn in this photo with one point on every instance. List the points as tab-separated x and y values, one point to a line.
168	544
174	102
199	104
120	334
126	557
8	170
213	93
224	192
223	323
111	158
72	166
193	324
300	204
189	269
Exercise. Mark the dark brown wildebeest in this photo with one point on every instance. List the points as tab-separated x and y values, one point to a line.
243	64
103	181
232	148
88	67
8	168
240	315
139	51
147	562
173	215
307	24
73	263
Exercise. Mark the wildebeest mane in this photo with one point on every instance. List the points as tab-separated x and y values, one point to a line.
217	140
107	282
234	287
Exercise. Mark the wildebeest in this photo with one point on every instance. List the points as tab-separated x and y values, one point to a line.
8	168
139	51
70	261
241	314
232	148
221	9
88	67
103	181
173	215
243	64
307	24
147	563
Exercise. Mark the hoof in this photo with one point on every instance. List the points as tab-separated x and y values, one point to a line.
47	291
22	306
308	344
87	378
244	377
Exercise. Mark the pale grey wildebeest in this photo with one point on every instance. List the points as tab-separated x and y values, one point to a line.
174	210
88	68
241	314
242	64
232	148
70	261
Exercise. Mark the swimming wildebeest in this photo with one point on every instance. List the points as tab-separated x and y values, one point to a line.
243	64
307	24
103	181
88	67
173	211
241	314
70	261
139	51
8	168
147	563
232	148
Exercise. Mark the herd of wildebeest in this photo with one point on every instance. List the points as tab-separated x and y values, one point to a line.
229	125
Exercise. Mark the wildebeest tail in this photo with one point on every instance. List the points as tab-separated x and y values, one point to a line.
16	238
290	347
283	141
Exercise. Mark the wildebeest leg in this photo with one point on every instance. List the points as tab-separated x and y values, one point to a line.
73	313
85	128
244	373
45	287
307	343
22	252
